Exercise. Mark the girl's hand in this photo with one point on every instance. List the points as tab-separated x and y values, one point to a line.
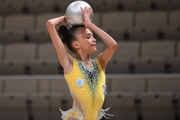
63	20
86	16
57	21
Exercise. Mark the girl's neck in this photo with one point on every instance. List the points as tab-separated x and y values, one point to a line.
83	58
87	64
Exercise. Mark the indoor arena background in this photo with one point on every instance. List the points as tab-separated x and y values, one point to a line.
143	80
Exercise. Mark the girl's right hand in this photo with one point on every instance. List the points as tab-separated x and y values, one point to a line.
63	20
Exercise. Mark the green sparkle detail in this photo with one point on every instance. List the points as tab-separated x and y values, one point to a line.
91	76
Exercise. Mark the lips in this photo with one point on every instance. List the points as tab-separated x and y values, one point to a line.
93	45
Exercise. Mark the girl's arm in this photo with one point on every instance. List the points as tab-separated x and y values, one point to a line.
111	44
64	57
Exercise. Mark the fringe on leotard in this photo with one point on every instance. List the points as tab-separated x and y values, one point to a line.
75	114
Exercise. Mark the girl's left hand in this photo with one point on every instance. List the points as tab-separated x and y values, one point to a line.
86	15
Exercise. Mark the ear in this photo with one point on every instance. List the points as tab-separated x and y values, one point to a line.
76	44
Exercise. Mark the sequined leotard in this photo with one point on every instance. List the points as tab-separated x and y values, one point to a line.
87	88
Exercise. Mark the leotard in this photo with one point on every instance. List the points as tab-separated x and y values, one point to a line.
87	88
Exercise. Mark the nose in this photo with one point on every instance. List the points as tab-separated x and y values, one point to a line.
94	40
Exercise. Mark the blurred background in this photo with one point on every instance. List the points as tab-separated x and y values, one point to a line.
143	77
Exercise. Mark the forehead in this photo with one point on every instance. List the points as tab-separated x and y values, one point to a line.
85	31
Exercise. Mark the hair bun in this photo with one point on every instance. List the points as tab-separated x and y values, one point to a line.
63	33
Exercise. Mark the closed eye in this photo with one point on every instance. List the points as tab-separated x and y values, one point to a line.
88	37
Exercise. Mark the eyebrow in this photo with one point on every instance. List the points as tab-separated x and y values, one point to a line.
88	33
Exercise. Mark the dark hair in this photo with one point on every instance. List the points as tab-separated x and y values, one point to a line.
67	36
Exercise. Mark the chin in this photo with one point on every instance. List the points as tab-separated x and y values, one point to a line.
94	51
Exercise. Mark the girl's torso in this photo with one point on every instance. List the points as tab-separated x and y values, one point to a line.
87	88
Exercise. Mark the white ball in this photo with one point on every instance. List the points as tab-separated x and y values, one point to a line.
74	14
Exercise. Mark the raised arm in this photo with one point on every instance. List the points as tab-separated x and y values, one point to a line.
111	44
64	57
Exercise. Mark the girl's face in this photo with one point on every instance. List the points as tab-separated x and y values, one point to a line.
86	41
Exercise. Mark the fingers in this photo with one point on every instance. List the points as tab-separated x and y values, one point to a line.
86	9
82	10
89	11
65	21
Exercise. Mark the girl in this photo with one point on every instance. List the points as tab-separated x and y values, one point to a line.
85	76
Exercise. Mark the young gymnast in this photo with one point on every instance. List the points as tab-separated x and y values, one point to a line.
85	76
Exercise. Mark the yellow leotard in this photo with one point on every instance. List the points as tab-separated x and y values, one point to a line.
87	88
